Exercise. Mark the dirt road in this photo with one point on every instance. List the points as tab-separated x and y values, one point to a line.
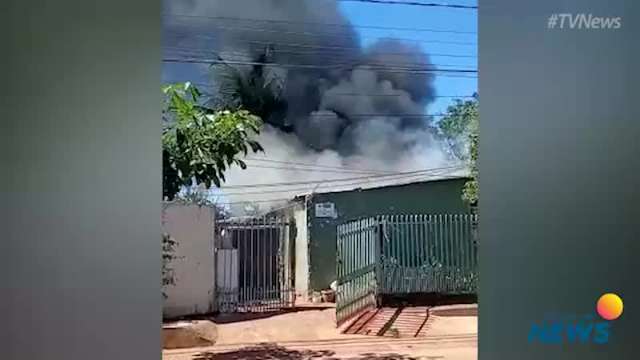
311	334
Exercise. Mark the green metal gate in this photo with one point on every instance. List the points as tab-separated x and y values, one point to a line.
404	254
357	262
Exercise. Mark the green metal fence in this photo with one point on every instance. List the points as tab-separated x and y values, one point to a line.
428	254
404	254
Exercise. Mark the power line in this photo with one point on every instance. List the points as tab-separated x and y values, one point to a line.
276	50
312	66
211	96
270	210
383	95
315	34
372	114
334	187
235	55
326	61
315	66
314	170
386	115
354	49
334	180
316	165
417	41
384	177
390	115
311	190
306	23
360	49
415	3
357	94
351	94
339	187
251	201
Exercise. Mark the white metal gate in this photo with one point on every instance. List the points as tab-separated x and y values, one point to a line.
254	265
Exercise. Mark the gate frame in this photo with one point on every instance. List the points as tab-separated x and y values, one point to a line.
248	299
453	236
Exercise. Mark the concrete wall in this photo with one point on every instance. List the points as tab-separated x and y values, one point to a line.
192	228
301	250
433	197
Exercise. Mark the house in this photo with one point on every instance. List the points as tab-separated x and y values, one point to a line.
317	214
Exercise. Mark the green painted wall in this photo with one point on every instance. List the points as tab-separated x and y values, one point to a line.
433	197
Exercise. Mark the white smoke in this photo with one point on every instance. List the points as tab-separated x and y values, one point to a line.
369	167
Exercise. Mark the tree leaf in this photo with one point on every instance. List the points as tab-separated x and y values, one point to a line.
216	180
201	142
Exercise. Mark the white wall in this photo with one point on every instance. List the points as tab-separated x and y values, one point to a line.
302	251
192	227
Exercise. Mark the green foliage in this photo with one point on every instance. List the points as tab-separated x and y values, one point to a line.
459	128
168	255
199	143
454	127
470	191
258	90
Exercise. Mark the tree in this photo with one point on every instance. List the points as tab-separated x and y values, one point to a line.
459	129
257	90
198	143
470	191
455	126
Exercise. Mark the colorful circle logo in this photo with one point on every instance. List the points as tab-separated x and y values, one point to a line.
610	306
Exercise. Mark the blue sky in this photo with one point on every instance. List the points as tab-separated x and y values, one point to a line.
404	16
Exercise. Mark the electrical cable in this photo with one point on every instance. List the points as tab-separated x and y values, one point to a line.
307	23
333	180
415	3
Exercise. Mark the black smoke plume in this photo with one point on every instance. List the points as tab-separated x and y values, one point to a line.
325	98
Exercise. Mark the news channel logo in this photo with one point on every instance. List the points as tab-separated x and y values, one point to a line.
583	22
585	329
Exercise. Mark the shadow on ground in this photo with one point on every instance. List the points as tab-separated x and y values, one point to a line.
239	317
274	351
455	312
426	299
